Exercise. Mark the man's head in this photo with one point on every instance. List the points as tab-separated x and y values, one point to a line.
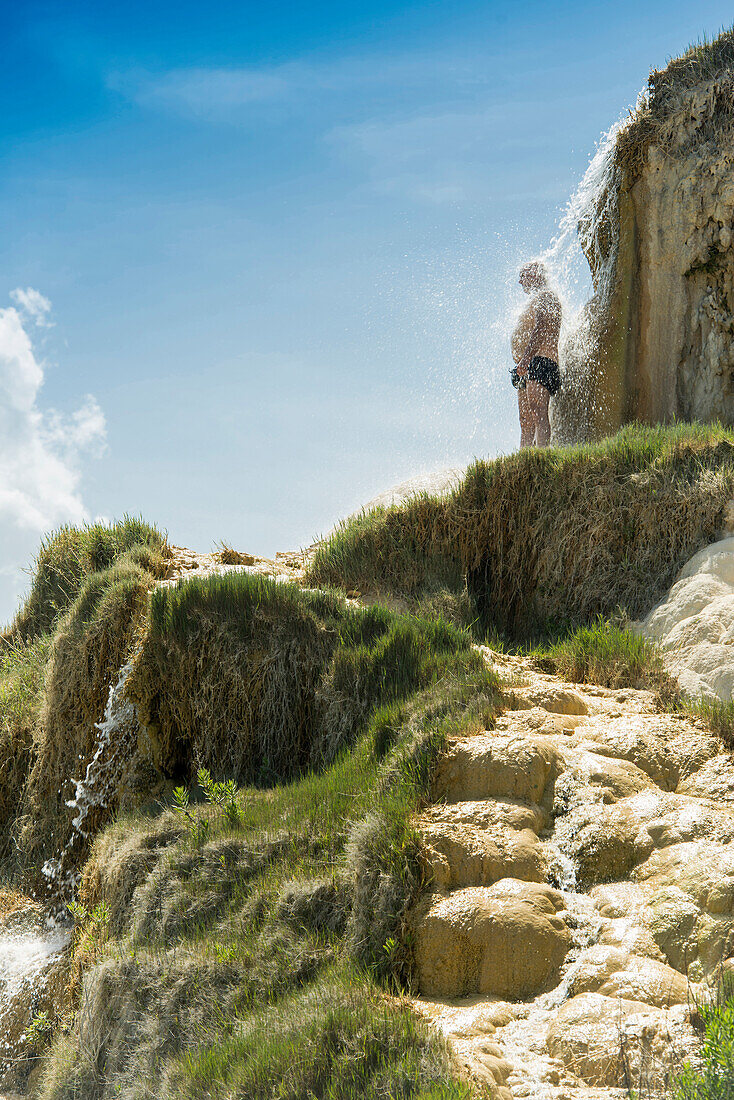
532	276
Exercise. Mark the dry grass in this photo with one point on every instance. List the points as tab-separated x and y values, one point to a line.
556	536
90	645
706	61
229	556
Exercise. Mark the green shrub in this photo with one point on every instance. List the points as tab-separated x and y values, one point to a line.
714	1079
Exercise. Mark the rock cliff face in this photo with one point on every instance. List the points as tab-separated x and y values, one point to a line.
656	341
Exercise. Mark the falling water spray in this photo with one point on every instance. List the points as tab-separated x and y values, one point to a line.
116	741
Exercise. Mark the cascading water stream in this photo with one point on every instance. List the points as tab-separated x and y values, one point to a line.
587	227
588	231
117	737
29	949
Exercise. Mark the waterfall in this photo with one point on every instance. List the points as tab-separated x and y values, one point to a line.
27	955
588	233
118	732
116	741
589	225
588	238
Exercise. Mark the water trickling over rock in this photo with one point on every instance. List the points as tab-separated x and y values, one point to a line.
116	742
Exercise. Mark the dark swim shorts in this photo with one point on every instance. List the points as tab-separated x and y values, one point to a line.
545	370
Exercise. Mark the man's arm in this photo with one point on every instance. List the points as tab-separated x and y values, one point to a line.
546	321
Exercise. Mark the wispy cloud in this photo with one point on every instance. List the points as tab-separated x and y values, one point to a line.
207	92
438	157
427	126
33	305
41	451
231	94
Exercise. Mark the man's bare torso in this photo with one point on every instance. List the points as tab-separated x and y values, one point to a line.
544	310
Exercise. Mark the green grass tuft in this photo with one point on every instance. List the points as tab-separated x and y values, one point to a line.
607	654
716	714
339	1040
66	557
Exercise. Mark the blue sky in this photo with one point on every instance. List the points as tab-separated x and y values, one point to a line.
276	245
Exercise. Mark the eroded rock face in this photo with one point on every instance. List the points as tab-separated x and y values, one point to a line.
583	889
655	343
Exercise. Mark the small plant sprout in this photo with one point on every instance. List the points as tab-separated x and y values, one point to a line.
223	795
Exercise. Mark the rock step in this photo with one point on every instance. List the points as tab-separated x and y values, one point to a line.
495	764
507	940
632	811
464	855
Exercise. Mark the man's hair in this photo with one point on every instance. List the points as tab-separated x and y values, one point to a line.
536	271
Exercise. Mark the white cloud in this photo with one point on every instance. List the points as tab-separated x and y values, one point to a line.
40	450
32	304
203	91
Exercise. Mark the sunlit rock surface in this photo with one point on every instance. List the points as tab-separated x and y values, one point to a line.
582	856
654	216
694	624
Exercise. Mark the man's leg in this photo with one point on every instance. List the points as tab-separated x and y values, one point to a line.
539	400
527	418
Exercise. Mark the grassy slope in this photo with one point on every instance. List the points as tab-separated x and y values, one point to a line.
246	945
550	538
249	945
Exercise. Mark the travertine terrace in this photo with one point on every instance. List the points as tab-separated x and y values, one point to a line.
583	886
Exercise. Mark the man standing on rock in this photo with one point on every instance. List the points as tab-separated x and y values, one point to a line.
535	352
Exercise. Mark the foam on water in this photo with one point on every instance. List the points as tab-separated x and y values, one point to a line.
26	956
